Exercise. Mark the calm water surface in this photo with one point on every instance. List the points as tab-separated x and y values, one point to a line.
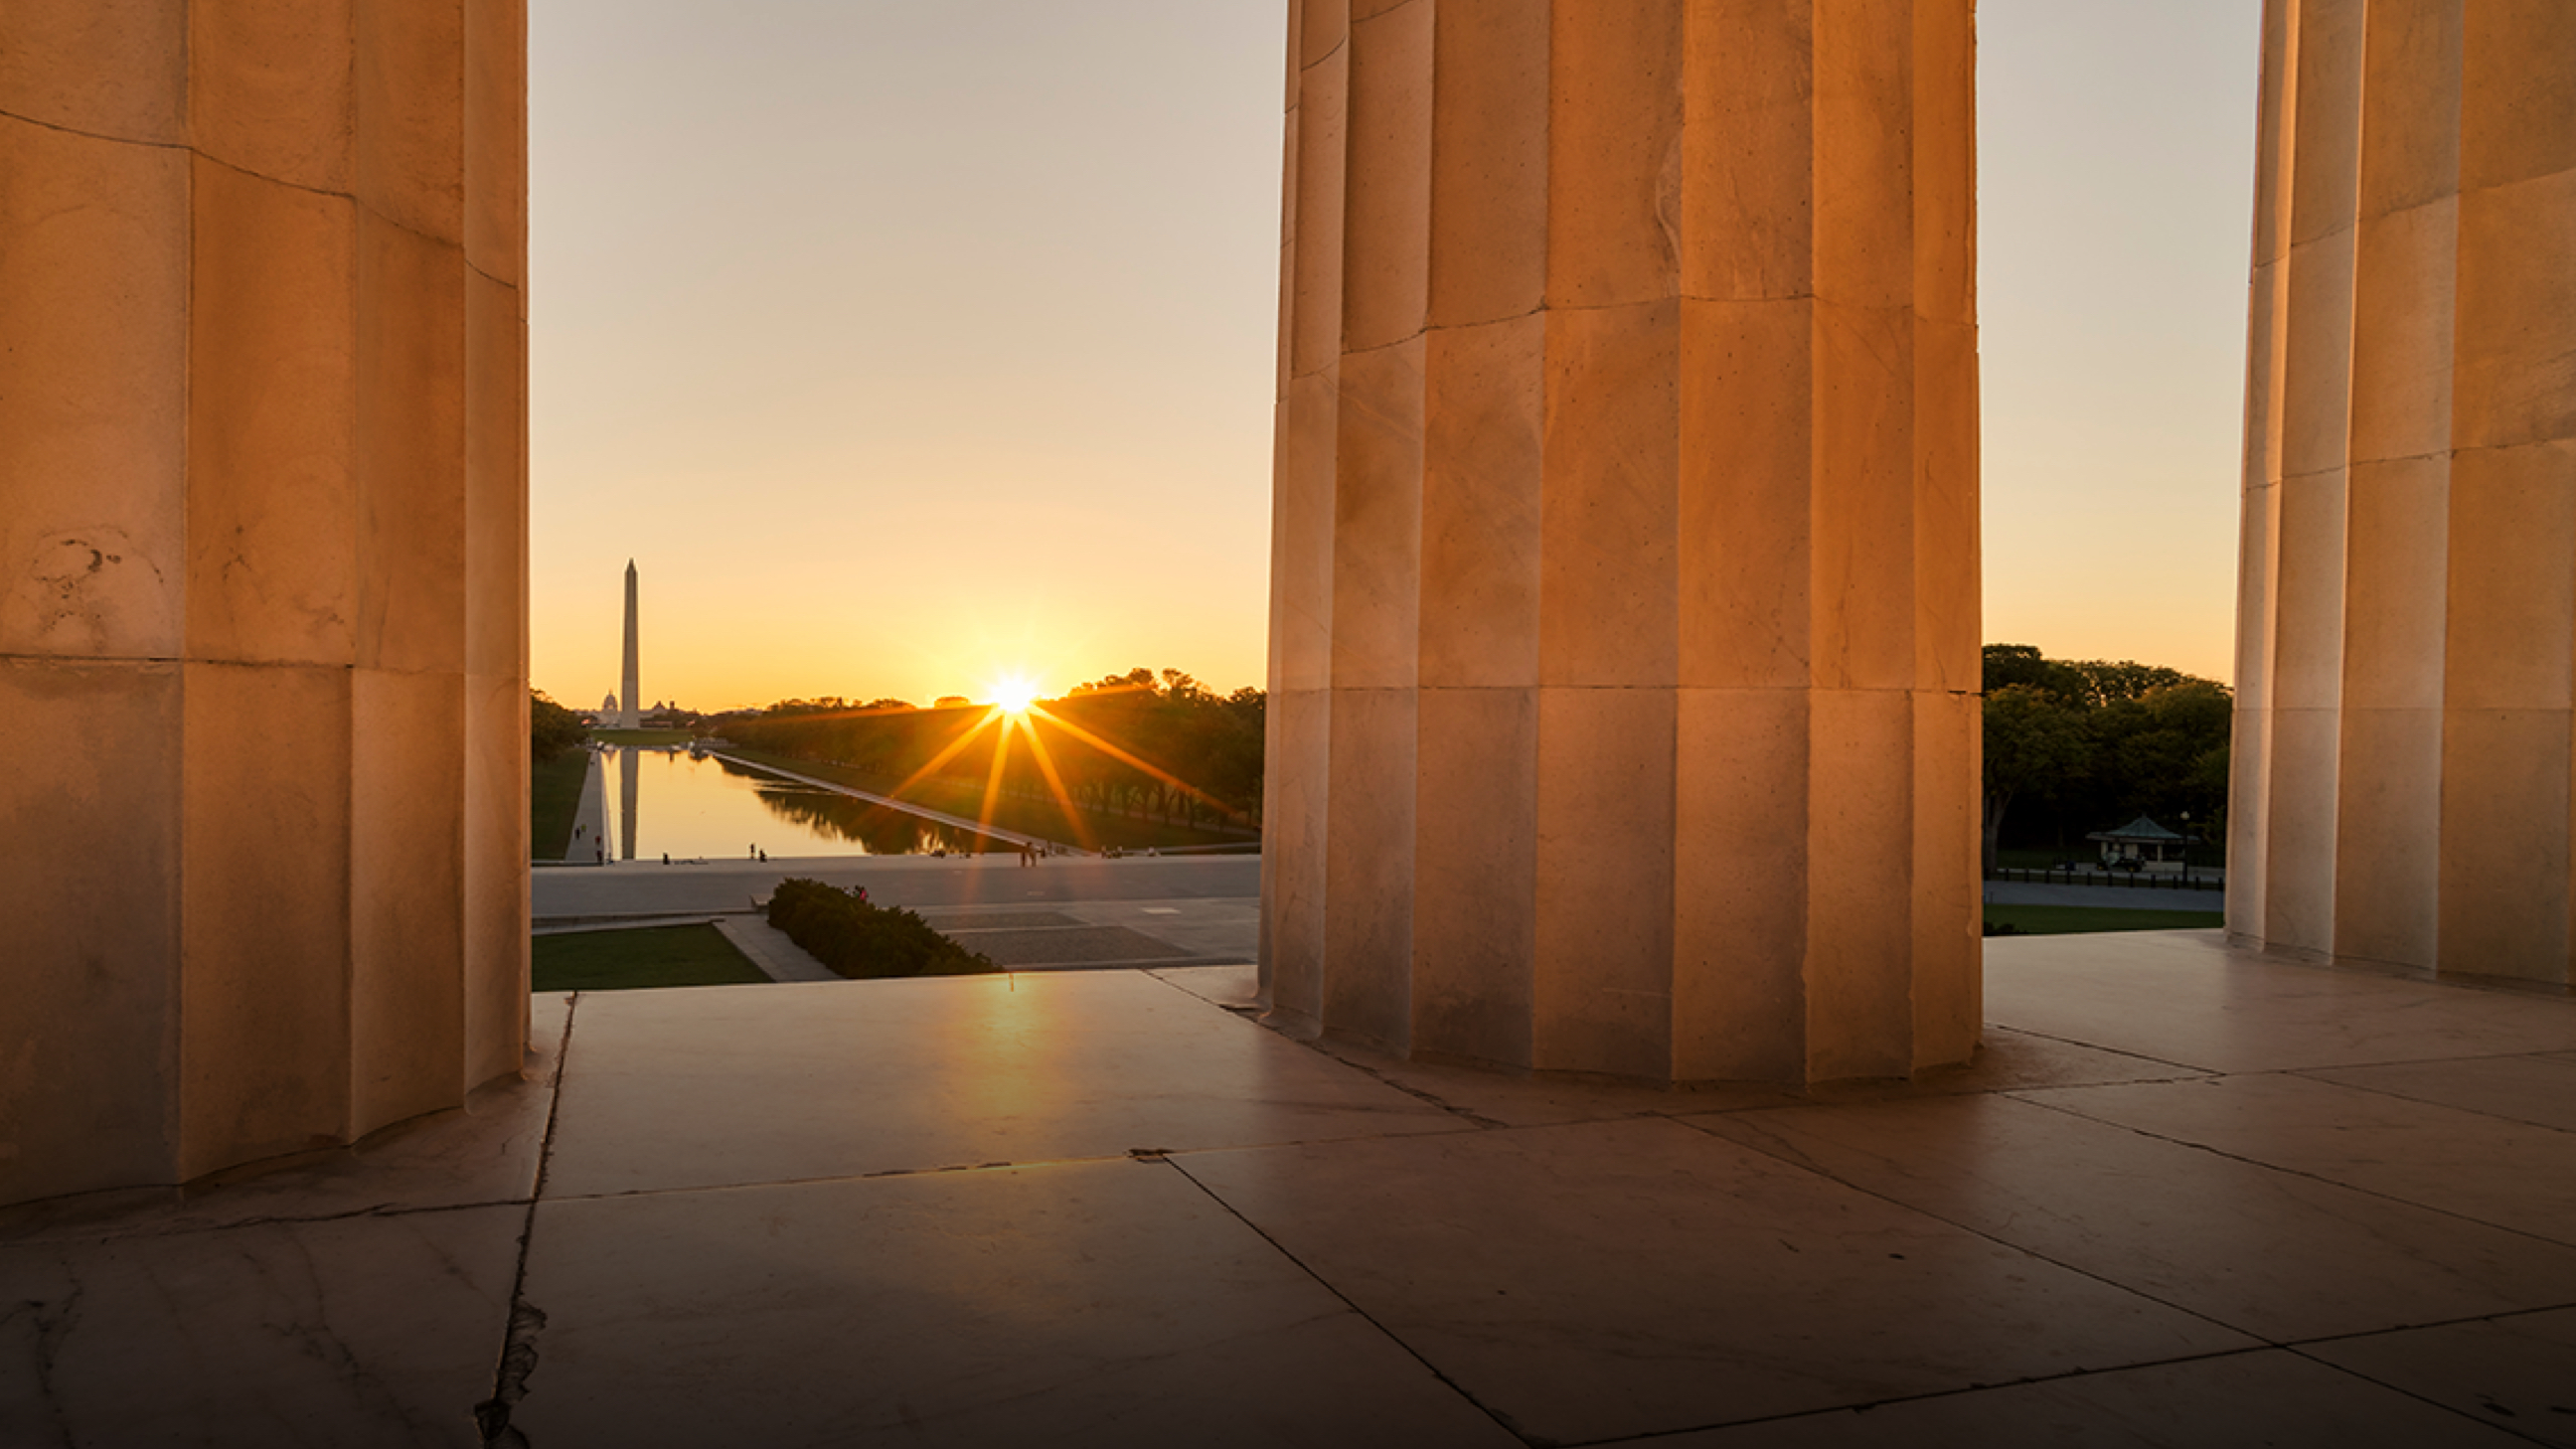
664	803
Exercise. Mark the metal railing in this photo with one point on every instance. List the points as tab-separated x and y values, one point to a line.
2197	878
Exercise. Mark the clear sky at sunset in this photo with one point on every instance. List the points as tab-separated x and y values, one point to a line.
907	345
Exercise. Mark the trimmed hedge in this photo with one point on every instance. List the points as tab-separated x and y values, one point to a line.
862	941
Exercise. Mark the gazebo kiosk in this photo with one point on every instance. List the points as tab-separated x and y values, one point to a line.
2152	847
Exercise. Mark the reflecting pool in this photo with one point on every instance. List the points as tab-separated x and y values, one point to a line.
662	802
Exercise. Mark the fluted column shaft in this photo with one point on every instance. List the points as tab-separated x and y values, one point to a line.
1624	613
2408	613
263	620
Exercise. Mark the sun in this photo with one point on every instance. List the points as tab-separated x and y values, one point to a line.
1013	694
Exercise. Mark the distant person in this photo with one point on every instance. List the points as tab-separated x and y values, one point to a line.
764	857
666	857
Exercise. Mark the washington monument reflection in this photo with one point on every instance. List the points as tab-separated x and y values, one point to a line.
629	767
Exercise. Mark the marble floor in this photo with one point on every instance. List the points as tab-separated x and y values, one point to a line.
2186	1197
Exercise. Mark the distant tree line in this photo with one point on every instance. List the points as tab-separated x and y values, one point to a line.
552	729
2071	747
2076	746
1166	746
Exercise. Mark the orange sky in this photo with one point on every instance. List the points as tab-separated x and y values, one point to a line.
905	345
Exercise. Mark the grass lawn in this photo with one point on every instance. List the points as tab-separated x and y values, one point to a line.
1042	818
641	737
628	960
2072	920
554	795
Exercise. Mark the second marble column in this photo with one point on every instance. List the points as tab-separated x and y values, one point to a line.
1624	618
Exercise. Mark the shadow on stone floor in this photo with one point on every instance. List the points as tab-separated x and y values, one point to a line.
2184	1197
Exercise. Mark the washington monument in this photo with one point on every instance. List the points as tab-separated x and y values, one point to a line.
629	692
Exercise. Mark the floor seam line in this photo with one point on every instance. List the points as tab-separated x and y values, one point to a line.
1357	1311
2452	1409
1034	1164
2302	1073
1933	1396
144	1233
2263	1339
2096	1046
1419	1094
2299	1172
518	1356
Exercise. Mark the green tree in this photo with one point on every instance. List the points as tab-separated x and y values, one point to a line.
2121	681
2036	744
2023	664
2164	753
2096	742
1168	744
552	729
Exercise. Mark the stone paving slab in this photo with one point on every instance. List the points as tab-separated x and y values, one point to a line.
1608	1279
951	1211
2270	1398
2516	1372
373	1330
1225	929
729	1086
2281	1255
949	923
1106	1305
2188	998
1075	945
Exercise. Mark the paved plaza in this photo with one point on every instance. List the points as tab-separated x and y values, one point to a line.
2185	1197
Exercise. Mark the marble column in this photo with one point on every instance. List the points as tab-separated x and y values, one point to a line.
1624	579
2408	612
262	621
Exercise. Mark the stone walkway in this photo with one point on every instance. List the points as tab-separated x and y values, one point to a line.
2186	1197
590	816
921	882
1066	914
770	949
